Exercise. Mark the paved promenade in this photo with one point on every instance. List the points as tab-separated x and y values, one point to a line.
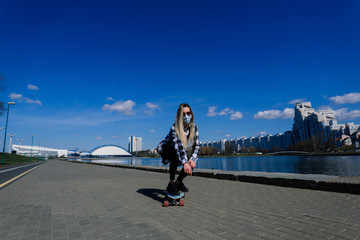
63	200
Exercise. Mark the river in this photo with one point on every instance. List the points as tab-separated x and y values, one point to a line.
326	165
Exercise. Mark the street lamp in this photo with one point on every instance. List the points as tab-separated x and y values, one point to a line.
20	139
32	142
11	135
39	153
7	118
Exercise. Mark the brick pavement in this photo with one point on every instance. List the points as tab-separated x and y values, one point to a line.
62	200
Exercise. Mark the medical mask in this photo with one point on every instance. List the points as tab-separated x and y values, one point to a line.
187	119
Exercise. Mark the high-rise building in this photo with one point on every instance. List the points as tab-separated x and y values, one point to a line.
135	144
320	127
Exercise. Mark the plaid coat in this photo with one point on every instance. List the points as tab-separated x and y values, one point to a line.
172	147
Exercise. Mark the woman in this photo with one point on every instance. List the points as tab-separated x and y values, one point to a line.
180	147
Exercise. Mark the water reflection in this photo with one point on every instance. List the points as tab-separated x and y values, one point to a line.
327	165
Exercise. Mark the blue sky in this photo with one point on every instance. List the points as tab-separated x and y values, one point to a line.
87	73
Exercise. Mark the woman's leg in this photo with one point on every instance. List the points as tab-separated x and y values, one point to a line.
181	176
172	170
172	186
179	181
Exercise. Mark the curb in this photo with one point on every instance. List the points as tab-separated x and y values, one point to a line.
304	181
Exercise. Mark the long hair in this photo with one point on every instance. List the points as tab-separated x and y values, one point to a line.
179	126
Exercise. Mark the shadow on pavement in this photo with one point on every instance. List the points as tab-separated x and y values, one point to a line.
156	194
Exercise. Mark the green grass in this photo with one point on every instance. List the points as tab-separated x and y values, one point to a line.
13	159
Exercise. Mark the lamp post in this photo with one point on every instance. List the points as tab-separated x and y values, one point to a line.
32	142
39	153
7	118
20	139
10	143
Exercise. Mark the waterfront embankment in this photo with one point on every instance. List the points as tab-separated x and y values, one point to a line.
307	181
64	200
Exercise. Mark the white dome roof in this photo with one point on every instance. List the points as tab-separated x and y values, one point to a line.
109	150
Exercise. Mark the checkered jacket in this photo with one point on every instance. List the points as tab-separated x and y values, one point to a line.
173	140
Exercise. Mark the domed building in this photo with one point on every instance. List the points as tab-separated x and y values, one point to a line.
109	151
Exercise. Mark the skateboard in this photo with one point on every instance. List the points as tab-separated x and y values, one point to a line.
174	200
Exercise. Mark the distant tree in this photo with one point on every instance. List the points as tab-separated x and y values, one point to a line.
203	151
260	149
331	146
206	151
345	148
308	145
275	149
2	88
243	149
251	149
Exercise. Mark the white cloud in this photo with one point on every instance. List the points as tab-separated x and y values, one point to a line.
38	102
263	133
16	96
228	135
32	87
236	116
114	136
227	111
98	138
123	107
152	105
151	130
270	114
19	97
110	99
211	111
293	102
344	114
150	108
273	114
288	113
346	98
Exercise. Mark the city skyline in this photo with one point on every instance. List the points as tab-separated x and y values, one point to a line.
312	130
86	74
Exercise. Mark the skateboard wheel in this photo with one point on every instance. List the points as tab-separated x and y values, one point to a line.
166	203
181	203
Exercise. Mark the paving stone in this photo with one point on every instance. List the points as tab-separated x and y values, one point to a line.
30	231
87	228
59	227
60	234
76	235
63	200
44	233
119	231
29	237
108	236
92	236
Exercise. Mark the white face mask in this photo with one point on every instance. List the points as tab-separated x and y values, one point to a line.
187	119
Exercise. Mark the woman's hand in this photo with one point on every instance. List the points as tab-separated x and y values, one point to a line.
192	164
187	169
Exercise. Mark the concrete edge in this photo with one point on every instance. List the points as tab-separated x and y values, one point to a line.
318	182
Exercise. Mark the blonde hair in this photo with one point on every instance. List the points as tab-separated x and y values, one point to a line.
179	126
